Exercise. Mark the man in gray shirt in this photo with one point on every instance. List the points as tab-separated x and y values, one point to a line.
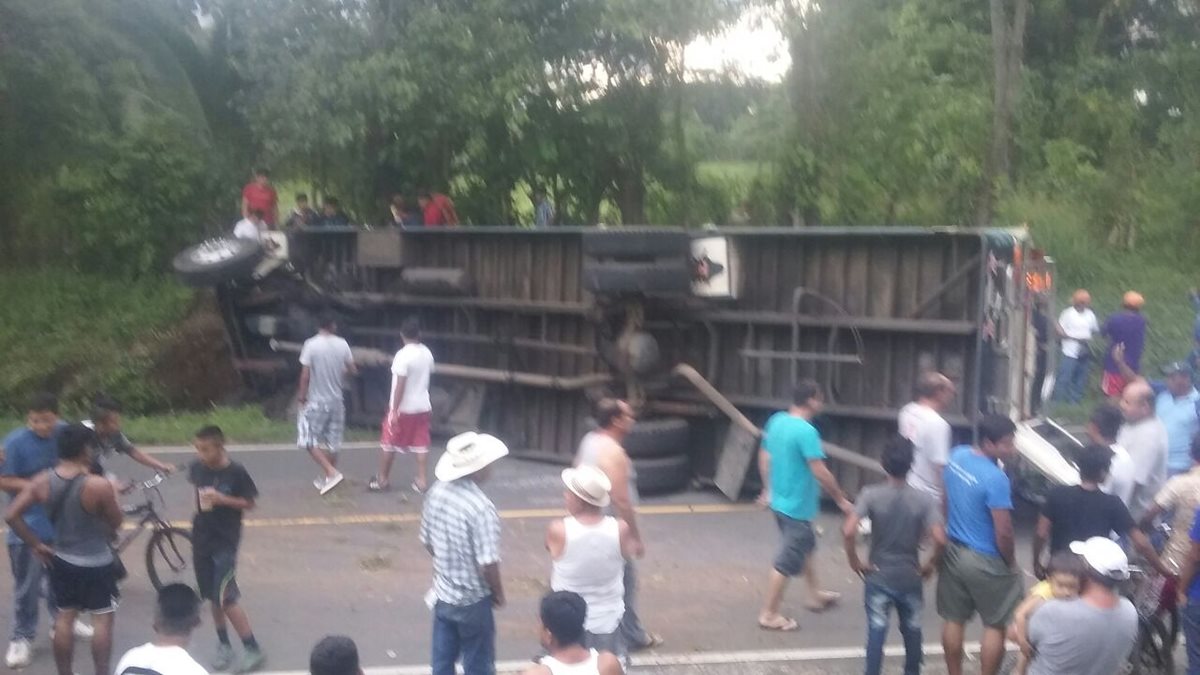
325	359
1145	438
1094	633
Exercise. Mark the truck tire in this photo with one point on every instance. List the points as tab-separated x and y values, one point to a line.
662	277
663	474
216	261
661	437
636	243
440	281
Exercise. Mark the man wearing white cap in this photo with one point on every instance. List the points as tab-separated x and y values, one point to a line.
589	550
1094	633
461	530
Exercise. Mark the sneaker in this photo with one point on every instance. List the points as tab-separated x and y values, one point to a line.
83	631
223	659
20	653
332	482
253	659
319	482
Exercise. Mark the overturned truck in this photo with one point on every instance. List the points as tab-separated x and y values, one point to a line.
703	331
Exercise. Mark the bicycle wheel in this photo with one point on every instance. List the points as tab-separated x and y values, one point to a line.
169	557
1153	652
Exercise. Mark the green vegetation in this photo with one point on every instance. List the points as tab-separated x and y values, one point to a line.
80	334
242	425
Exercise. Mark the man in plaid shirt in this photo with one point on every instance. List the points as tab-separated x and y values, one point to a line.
461	530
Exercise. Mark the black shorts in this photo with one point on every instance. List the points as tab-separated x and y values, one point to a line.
796	541
85	589
216	573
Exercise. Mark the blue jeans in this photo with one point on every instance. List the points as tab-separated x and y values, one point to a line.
1071	379
29	585
1191	634
879	602
468	631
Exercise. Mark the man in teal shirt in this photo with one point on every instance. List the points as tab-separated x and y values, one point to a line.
793	470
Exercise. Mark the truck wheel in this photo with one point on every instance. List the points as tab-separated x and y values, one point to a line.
671	276
216	261
636	243
657	438
663	474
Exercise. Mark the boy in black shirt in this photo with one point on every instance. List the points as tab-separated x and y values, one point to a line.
223	491
1080	512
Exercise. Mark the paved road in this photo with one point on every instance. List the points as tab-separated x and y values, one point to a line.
351	563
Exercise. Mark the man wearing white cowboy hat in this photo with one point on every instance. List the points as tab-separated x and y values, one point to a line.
1094	633
461	530
589	550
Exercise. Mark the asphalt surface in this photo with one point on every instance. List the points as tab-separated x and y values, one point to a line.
351	563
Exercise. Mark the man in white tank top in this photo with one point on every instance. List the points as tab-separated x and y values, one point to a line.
589	550
563	614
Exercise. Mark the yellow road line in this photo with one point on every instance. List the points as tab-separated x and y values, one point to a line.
509	514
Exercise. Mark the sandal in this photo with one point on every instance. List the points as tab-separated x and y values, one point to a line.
417	488
784	625
825	600
377	485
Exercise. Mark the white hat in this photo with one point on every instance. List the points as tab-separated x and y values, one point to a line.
589	484
467	453
1103	555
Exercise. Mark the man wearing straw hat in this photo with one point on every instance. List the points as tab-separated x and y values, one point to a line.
589	550
461	530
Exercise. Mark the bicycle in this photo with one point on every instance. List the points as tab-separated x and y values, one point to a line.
1154	597
169	550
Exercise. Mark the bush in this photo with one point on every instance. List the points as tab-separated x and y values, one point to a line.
79	334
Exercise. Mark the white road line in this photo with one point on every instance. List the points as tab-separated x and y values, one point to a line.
692	659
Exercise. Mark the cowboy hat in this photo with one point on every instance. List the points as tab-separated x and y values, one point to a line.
589	484
468	453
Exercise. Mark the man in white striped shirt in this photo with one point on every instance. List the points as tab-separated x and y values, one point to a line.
461	530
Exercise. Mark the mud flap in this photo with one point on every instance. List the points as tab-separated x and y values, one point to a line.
739	451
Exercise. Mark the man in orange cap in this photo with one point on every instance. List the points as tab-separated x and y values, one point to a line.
1127	327
1076	326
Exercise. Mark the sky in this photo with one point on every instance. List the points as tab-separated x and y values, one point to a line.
753	47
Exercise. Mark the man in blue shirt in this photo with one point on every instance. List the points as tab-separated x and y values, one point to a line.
1189	597
979	570
29	451
793	470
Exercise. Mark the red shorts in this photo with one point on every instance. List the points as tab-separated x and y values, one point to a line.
405	432
1112	384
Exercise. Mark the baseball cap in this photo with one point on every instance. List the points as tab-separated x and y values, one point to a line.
1177	367
1103	555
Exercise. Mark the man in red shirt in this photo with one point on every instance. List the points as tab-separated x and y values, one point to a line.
437	208
259	195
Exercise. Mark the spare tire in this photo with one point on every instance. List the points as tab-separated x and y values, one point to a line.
663	474
636	243
216	261
657	438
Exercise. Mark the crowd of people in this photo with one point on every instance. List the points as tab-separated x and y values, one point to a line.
953	503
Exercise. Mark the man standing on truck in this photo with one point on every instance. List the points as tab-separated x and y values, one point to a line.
792	465
325	360
1076	326
922	423
406	425
603	449
979	569
259	195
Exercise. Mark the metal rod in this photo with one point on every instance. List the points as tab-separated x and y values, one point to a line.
862	323
366	356
799	356
525	343
496	304
938	292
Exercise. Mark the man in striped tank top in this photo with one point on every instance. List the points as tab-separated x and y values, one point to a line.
563	614
589	550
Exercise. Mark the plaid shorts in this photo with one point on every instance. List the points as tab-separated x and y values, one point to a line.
321	425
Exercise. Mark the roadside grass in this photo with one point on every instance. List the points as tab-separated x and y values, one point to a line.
241	424
1160	267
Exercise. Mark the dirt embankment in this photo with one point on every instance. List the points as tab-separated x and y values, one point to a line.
192	360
